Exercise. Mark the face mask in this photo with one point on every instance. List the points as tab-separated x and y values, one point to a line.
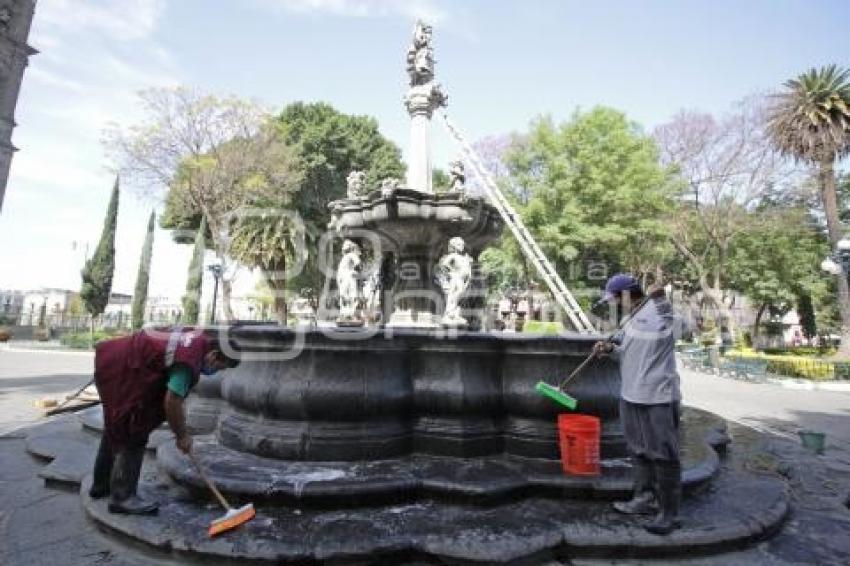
205	370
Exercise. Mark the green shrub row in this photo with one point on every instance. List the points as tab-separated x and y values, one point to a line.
83	340
796	366
542	327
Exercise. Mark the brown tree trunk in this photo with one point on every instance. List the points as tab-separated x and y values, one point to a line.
757	325
829	196
277	286
226	293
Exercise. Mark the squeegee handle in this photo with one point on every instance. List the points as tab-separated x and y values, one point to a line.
577	370
209	482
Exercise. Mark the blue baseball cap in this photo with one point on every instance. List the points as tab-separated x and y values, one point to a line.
618	284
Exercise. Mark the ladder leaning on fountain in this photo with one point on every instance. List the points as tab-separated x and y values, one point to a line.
529	246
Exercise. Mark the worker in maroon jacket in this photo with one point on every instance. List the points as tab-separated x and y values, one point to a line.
142	380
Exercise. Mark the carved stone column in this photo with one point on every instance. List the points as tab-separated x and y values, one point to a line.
420	108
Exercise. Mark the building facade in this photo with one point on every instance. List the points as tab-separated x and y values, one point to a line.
15	21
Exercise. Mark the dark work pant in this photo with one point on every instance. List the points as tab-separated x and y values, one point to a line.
102	465
652	437
119	470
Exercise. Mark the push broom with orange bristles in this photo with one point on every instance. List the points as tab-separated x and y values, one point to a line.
234	517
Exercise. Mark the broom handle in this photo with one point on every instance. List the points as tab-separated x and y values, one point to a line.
209	482
592	355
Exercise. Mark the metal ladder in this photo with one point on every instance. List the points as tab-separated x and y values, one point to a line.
529	246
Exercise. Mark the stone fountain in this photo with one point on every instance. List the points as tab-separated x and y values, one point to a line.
416	436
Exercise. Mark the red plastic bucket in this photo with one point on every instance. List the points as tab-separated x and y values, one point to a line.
579	441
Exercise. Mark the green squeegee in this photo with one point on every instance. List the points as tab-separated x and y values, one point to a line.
556	395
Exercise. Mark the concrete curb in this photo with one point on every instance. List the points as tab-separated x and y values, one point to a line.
806	385
16	350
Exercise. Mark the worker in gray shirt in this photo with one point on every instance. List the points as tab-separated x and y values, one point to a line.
650	399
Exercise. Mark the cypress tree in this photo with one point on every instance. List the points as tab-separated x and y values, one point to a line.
806	312
140	294
97	273
192	298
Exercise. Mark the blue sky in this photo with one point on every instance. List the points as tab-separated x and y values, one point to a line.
501	62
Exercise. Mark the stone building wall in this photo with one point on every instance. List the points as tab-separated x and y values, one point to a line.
15	21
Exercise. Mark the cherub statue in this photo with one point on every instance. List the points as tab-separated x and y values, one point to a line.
348	282
453	273
356	180
457	177
389	186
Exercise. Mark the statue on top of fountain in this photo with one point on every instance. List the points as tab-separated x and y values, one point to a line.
424	93
420	56
457	177
453	274
356	182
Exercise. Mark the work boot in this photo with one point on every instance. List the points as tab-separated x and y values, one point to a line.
669	496
102	470
641	504
125	480
643	501
133	505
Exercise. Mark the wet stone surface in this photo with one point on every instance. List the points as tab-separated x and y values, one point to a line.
472	521
720	521
737	510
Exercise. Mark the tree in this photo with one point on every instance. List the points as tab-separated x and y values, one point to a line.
775	260
331	145
592	191
806	312
267	237
98	270
440	180
213	155
194	283
729	167
140	294
810	121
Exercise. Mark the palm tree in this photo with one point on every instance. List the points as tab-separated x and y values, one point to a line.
810	122
267	238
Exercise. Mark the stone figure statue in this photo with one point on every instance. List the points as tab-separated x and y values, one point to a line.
454	272
420	56
424	94
5	16
372	287
348	281
457	177
389	186
356	182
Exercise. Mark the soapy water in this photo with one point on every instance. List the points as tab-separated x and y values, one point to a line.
300	480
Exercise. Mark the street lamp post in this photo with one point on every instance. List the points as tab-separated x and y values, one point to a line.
215	269
839	261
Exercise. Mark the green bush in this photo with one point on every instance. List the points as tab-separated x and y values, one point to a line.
707	339
796	351
83	340
542	327
798	366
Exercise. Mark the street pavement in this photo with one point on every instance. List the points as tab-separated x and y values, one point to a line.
27	376
769	407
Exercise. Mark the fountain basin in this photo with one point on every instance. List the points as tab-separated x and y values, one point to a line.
378	394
